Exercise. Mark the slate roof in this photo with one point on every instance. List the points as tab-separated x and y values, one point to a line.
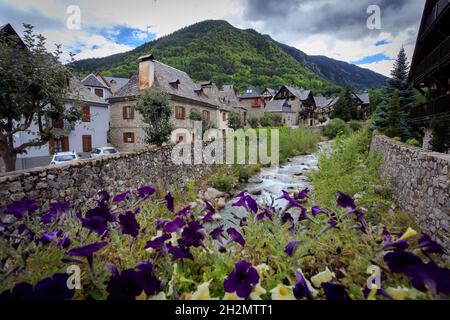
229	96
364	97
164	75
278	106
321	101
302	95
79	92
271	92
116	83
250	94
92	81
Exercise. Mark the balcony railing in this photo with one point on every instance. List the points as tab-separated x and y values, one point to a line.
432	61
435	13
439	107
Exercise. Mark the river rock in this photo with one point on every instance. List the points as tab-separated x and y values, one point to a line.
298	174
212	194
220	204
255	180
256	192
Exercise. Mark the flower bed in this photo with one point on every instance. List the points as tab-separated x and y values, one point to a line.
132	246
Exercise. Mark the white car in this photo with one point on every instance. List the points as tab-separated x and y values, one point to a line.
64	157
106	151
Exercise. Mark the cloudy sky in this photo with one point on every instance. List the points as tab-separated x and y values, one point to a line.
335	28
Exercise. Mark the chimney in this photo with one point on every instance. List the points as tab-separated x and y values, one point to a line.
146	72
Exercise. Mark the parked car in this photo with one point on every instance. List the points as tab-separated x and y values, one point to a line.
64	157
105	151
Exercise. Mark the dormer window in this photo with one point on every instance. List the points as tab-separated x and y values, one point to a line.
175	84
199	91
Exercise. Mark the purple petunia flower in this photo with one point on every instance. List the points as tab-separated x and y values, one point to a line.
102	212
316	210
264	215
151	283
87	251
146	192
399	244
304	216
21	208
179	252
55	211
345	201
129	224
291	202
303	194
332	223
159	244
54	288
427	245
184	212
291	247
193	235
236	236
48	237
65	241
21	292
125	286
103	198
241	280
161	223
217	233
121	197
169	202
174	226
251	203
335	291
400	260
239	203
95	224
301	289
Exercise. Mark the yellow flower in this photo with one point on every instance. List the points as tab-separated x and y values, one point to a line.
282	292
231	296
408	234
202	292
322	277
402	293
262	270
257	292
159	296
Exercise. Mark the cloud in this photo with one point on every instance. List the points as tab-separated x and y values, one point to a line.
372	59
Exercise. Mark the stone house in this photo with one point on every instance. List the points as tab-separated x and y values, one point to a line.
229	95
126	125
103	87
283	108
254	102
301	103
268	94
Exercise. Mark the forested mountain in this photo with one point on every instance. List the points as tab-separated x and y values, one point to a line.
217	51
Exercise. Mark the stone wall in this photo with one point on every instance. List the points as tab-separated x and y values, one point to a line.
79	182
420	184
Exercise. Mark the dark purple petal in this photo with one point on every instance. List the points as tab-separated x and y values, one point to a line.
129	224
241	194
125	286
345	201
121	197
426	244
251	203
21	208
291	247
335	291
193	235
55	211
209	207
184	212
241	280
303	194
169	201
87	250
399	260
209	216
54	288
161	223
301	289
264	215
95	224
236	236
65	241
316	210
152	285
145	192
48	237
101	212
21	292
239	203
217	233
158	243
332	223
179	253
291	202
399	244
174	225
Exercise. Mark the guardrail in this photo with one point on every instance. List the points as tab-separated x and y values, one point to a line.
439	107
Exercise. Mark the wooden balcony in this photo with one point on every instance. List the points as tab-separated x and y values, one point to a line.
437	58
433	16
439	107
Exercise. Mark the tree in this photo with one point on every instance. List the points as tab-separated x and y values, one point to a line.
345	107
277	120
380	117
394	127
376	97
34	87
440	140
266	120
196	115
154	106
235	121
253	122
407	96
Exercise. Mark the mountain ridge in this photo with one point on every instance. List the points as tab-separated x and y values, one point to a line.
215	50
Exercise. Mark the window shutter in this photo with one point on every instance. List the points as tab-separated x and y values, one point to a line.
65	141
132	113
124	113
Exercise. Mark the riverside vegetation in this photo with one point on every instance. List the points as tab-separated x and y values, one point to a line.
150	245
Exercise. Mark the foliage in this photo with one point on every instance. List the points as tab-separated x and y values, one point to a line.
414	143
224	181
154	106
345	107
294	142
196	115
355	125
34	89
322	119
216	51
266	120
253	122
376	96
334	127
440	140
236	121
277	120
394	127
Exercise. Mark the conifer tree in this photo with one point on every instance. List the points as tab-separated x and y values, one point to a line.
394	127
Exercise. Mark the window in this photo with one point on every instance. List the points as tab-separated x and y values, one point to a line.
206	115
181	138
128	137
60	144
128	113
224	116
87	143
98	92
180	113
86	117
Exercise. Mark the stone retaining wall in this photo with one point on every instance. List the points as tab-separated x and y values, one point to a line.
420	184
79	182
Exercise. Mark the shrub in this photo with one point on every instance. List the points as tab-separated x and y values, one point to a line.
236	121
397	139
224	181
277	120
335	126
322	119
355	125
266	120
414	143
440	140
253	122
